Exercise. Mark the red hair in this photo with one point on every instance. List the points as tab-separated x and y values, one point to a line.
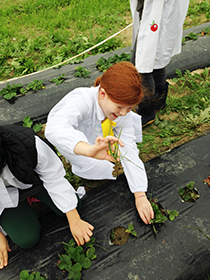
122	83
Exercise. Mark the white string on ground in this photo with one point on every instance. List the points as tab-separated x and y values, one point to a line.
65	61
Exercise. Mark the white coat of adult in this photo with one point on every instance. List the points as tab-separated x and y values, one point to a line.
159	33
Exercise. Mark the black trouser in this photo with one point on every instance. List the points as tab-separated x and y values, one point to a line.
21	223
153	79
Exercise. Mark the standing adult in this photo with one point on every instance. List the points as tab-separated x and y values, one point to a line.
157	37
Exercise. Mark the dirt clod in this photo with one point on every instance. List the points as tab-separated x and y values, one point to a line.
118	169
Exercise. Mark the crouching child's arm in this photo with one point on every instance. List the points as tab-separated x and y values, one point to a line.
81	230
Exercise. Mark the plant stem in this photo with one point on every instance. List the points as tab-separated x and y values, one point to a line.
101	247
199	230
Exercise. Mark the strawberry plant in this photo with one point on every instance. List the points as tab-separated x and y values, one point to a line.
189	193
35	85
172	214
11	91
77	258
103	64
81	72
24	275
205	31
159	214
131	230
27	122
59	79
191	36
114	152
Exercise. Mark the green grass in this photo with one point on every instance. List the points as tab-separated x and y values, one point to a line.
186	115
36	34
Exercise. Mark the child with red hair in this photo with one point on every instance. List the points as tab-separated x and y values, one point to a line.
75	123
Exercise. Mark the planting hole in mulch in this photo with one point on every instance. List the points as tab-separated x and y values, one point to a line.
119	236
189	193
160	207
159	214
190	196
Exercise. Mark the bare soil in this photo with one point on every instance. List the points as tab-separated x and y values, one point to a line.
201	131
119	236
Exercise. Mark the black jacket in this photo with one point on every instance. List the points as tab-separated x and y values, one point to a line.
18	151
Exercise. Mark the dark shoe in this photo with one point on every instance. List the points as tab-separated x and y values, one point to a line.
161	97
147	110
148	119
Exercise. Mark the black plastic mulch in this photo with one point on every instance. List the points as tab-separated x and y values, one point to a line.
175	252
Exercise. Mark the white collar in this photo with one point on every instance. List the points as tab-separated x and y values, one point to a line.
99	112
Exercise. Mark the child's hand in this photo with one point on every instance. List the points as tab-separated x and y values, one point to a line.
102	145
81	231
4	248
100	150
144	207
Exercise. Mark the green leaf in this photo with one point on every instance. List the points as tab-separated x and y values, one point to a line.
71	275
112	234
37	276
133	232
78	249
31	277
76	257
181	191
70	251
62	265
22	90
77	276
90	252
130	227
10	95
91	242
37	127
27	122
76	267
190	185
172	214
24	274
86	263
65	258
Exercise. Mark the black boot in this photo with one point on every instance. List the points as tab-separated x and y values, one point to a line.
147	110
162	95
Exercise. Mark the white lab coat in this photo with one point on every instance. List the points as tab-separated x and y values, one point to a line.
156	45
77	117
51	171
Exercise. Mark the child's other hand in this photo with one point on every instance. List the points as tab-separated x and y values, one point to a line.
101	148
144	208
4	248
81	231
